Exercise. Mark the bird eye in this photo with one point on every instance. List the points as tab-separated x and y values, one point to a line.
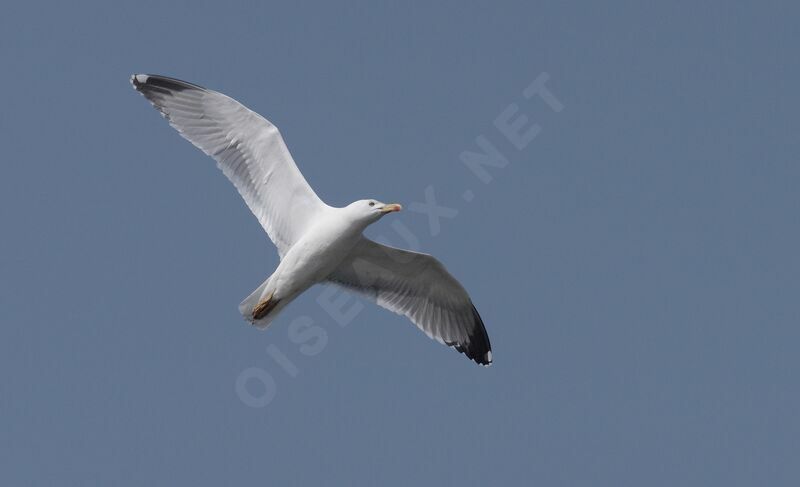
371	203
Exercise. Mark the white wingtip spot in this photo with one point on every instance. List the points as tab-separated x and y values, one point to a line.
141	78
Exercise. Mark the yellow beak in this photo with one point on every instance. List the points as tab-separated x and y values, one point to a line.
391	207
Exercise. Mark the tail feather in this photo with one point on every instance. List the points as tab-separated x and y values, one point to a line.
249	304
262	316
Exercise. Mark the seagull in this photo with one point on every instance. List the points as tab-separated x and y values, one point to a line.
316	243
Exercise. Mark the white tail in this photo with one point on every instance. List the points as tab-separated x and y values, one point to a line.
247	306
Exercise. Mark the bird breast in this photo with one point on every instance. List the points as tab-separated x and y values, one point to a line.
312	258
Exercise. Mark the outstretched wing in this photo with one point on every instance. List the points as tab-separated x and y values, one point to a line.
248	149
419	287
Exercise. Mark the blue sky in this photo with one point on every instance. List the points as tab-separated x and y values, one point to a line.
635	261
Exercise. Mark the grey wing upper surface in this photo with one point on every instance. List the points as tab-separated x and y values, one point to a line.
419	287
248	148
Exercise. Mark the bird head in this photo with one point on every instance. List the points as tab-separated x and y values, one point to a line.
371	210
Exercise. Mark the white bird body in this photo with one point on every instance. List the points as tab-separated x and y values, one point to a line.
317	243
321	249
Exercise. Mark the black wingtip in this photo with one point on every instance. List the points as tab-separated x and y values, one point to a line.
153	81
478	348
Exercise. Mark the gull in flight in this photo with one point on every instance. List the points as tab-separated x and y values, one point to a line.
317	243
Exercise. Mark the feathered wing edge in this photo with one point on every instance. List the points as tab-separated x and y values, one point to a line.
419	287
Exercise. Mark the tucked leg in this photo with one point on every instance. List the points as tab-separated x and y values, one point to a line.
263	308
